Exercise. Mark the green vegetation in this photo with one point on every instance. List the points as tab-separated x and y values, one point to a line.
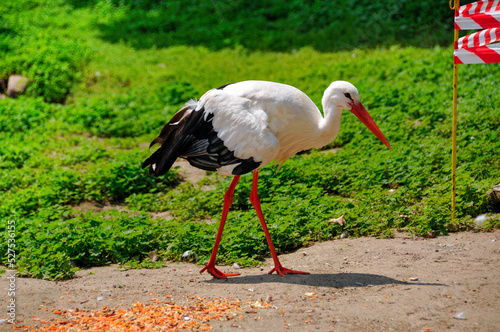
106	75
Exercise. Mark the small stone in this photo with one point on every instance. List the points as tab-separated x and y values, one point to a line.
495	193
17	85
236	266
480	219
460	315
100	298
413	279
344	235
190	256
187	318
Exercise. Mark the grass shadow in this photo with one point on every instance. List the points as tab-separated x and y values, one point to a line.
275	26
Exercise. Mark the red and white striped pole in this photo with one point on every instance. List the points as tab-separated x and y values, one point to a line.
474	48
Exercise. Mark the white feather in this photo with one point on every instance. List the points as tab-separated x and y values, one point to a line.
272	121
241	125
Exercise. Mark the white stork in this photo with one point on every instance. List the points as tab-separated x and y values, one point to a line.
241	127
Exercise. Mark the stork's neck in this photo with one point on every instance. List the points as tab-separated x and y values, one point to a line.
329	126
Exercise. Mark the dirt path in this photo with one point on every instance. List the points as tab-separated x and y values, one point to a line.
364	284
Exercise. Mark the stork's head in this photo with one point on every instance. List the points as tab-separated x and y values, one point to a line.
344	95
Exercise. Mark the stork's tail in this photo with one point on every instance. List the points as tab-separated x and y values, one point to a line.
173	138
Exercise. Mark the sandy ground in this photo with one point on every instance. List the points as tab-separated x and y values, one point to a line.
366	284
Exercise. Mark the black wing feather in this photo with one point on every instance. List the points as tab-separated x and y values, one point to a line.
174	137
190	135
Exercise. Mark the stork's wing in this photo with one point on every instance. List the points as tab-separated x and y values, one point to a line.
220	133
242	125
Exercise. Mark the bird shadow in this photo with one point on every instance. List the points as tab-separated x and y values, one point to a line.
332	280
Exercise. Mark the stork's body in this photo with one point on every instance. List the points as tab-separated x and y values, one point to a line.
286	120
241	127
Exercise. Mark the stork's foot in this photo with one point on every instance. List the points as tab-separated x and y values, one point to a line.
217	273
282	270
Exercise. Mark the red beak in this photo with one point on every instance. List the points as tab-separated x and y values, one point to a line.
362	114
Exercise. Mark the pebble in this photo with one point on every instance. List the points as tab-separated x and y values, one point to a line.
460	315
413	279
480	219
16	85
190	255
186	254
236	266
100	298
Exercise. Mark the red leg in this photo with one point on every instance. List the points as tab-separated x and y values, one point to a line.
228	199
254	198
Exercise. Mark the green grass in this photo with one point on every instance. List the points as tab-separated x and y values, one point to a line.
105	78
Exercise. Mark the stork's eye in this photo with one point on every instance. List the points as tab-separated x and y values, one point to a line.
348	95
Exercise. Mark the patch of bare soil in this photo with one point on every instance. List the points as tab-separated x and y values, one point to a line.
366	284
188	172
